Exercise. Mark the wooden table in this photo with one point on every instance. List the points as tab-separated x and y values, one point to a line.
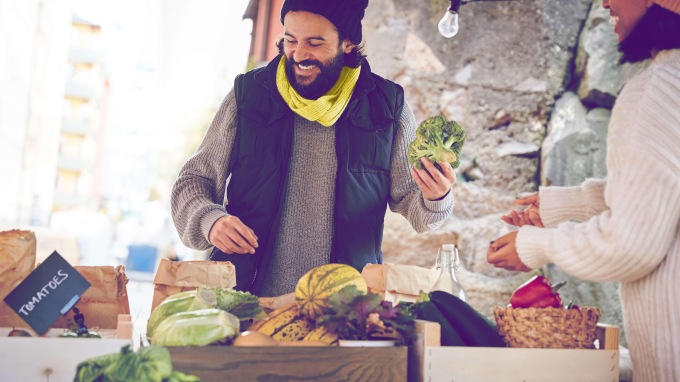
279	364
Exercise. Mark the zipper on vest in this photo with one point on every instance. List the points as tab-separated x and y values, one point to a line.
278	195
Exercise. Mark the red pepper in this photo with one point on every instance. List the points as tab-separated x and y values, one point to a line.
537	293
573	306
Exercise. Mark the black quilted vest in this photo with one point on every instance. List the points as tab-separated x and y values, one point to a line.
364	135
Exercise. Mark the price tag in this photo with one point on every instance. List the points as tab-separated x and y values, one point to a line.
49	291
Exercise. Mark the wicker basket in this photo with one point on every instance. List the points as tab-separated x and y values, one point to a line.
548	328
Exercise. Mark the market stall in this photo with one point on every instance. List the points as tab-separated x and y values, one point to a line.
339	325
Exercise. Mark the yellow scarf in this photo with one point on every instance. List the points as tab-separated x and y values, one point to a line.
327	109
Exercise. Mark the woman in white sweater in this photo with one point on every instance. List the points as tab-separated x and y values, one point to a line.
630	230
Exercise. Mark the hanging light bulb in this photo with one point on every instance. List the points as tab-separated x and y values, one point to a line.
448	25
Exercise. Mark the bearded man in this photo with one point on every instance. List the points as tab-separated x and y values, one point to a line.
310	149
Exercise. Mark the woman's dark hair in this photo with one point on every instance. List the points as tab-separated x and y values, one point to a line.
353	59
659	29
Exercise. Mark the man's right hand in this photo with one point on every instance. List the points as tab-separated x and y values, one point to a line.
530	216
230	235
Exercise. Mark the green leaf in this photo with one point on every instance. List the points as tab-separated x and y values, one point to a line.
241	304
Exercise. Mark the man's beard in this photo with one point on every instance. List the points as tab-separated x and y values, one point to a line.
324	81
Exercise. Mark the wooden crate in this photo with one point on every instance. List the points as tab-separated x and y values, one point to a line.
430	362
321	364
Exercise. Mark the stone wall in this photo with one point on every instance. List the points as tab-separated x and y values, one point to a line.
532	83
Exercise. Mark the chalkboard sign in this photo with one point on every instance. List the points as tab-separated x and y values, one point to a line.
49	291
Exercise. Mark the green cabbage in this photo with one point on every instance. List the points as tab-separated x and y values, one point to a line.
241	304
199	328
438	140
201	298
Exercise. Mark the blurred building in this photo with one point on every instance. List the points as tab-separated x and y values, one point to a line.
34	38
266	27
85	103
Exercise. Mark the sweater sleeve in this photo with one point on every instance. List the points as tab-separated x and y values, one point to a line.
559	204
631	238
198	195
406	197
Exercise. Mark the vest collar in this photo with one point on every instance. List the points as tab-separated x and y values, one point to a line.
267	78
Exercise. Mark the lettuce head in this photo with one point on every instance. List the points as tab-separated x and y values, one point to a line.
198	328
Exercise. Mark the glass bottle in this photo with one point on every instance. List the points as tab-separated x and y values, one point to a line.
447	260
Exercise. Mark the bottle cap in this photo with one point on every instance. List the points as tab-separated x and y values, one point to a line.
448	247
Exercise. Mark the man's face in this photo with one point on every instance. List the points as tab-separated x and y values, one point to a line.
314	54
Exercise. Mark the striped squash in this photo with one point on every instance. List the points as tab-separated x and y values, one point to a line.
316	286
321	334
284	324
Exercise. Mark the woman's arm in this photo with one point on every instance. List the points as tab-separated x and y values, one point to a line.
624	243
559	204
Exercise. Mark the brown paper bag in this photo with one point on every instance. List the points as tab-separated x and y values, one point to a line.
396	282
179	276
17	260
104	300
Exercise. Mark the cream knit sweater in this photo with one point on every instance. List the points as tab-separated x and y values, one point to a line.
630	230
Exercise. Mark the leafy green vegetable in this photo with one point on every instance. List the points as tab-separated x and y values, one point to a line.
178	376
92	369
199	328
176	303
438	140
358	316
150	364
241	304
189	301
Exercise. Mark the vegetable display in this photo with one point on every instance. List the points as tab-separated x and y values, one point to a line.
461	325
260	339
314	289
149	364
181	302
537	293
426	310
356	315
322	334
243	305
473	328
284	324
438	140
198	328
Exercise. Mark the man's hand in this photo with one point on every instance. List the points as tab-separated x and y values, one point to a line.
502	253
230	235
436	184
530	216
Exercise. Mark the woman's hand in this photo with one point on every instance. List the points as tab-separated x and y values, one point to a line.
436	184
502	253
530	216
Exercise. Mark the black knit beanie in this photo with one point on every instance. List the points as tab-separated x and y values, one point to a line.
346	15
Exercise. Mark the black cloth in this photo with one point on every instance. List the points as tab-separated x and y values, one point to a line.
346	15
364	134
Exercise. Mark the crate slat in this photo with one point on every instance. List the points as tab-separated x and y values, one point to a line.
322	364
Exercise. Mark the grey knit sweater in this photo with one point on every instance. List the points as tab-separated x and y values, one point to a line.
306	232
